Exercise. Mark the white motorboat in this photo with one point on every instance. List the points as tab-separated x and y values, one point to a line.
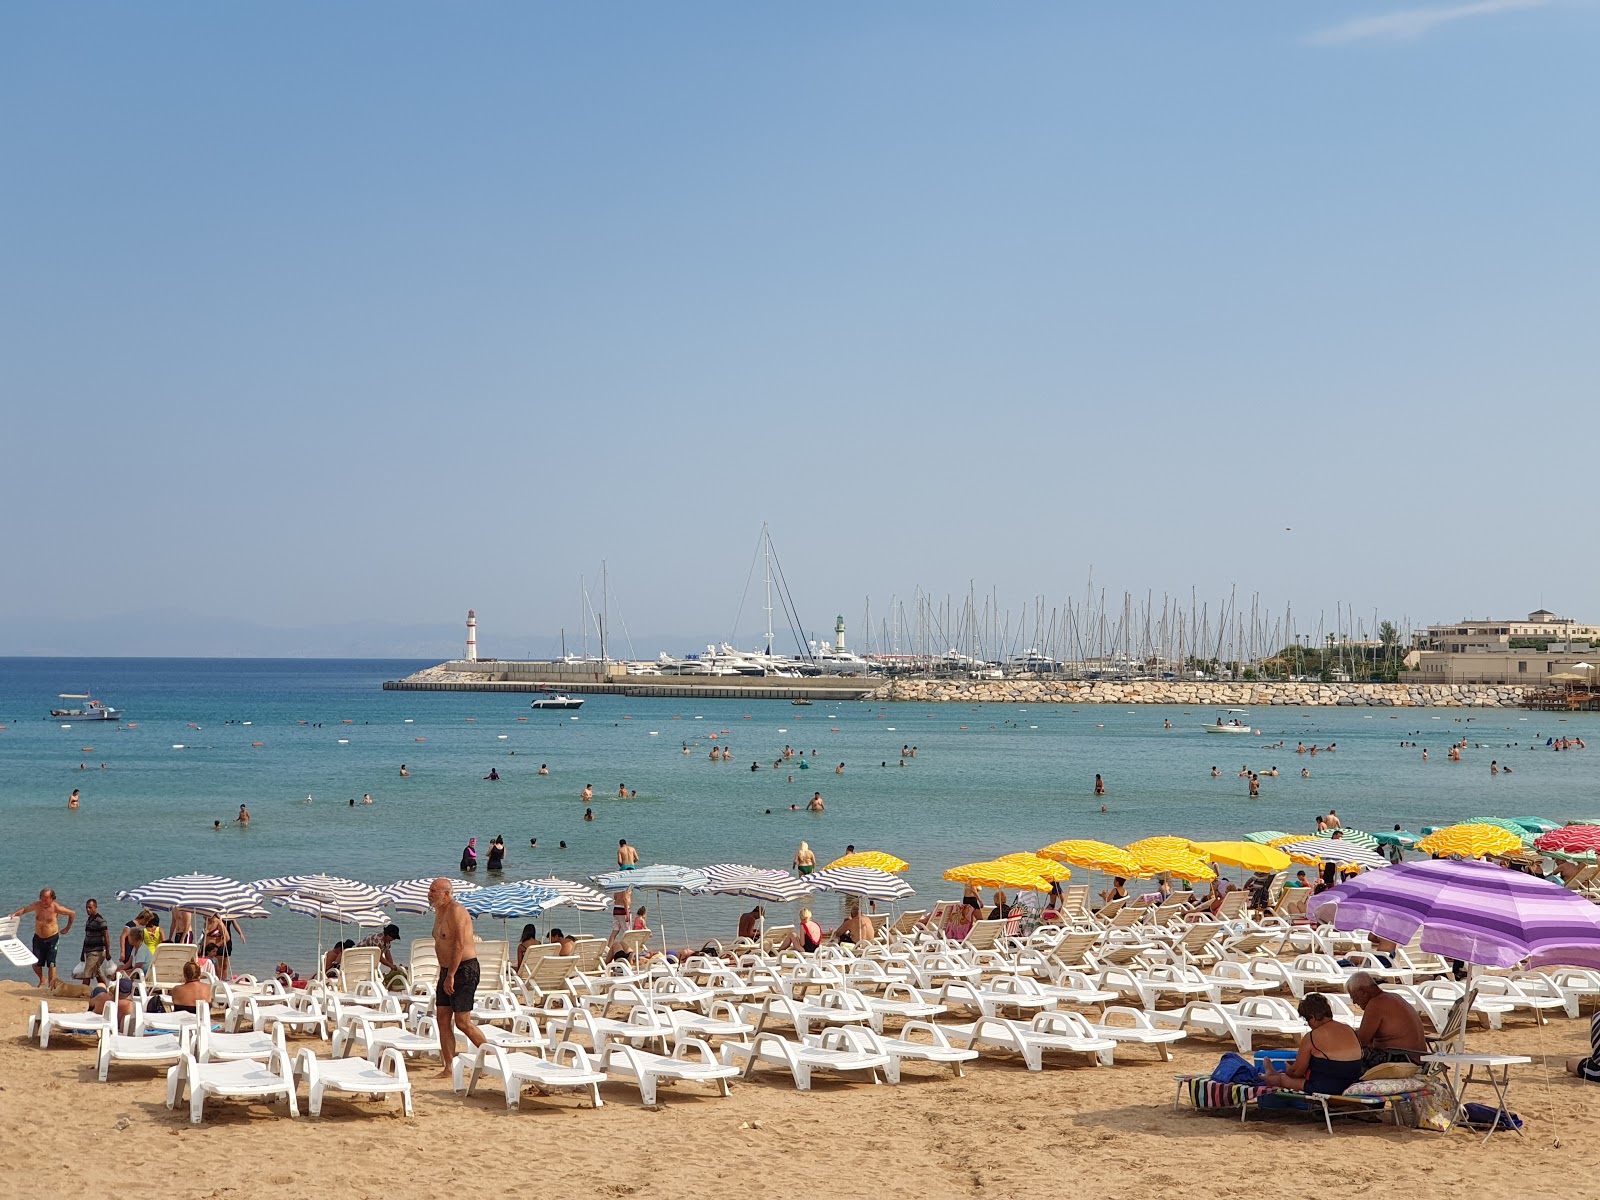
92	710
1237	721
557	701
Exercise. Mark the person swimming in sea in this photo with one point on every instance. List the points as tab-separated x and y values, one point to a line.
493	776
544	768
404	774
588	814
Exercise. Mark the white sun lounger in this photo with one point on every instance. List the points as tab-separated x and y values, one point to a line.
162	1049
831	1050
1536	996
296	1011
78	1024
422	1037
517	1069
233	1047
1242	1021
937	1049
620	1061
1129	1025
1048	1032
523	1035
242	1077
386	1077
1576	984
723	1021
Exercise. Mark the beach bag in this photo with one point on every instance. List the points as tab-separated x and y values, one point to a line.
1423	1109
1235	1068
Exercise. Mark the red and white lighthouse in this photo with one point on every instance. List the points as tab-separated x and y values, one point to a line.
472	636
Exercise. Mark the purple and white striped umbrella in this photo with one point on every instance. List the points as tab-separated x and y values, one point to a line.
1473	911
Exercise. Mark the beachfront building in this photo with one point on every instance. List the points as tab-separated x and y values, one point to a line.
1532	651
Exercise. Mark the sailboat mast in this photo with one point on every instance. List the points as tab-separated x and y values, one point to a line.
605	608
766	548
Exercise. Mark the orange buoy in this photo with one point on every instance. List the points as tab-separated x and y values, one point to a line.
347	721
522	718
86	749
257	743
472	718
420	739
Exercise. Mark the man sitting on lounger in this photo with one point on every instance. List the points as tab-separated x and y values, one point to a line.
1391	1030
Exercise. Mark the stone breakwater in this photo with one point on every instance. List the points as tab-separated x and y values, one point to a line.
1222	695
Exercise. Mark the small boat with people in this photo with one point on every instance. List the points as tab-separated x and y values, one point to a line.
92	710
1237	721
557	700
801	702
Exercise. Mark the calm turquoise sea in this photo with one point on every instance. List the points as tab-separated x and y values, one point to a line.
986	780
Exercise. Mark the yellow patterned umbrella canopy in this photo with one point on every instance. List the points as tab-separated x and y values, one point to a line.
1053	871
1248	855
998	875
1287	838
1176	845
1092	856
1470	841
875	859
1159	861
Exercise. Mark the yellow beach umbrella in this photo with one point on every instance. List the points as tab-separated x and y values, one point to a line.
1053	871
998	875
1159	861
875	859
1248	855
1092	856
1470	841
1176	845
1287	838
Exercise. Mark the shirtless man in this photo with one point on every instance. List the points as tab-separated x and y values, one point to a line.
458	972
47	931
627	856
1391	1030
816	804
244	815
856	928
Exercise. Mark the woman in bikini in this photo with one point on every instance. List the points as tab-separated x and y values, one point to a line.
805	861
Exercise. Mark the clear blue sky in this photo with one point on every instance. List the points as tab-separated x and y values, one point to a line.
334	313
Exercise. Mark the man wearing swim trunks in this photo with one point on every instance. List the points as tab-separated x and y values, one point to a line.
458	972
47	931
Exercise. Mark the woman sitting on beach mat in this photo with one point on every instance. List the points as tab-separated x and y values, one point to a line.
1330	1055
1588	1068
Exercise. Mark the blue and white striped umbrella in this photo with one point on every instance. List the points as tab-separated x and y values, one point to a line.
759	883
312	907
659	877
332	889
1337	851
199	893
411	895
867	882
506	901
579	896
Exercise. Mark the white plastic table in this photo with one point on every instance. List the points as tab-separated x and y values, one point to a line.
1500	1083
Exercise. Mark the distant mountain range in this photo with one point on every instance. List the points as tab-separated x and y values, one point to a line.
194	635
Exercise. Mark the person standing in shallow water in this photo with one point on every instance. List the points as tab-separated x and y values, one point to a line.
1099	786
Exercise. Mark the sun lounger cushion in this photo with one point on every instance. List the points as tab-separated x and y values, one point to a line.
1383	1087
1394	1070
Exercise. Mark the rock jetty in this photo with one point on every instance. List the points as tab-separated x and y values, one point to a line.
1197	694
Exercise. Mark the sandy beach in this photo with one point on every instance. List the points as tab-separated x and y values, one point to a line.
1001	1131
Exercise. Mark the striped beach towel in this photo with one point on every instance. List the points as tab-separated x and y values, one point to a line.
1206	1093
